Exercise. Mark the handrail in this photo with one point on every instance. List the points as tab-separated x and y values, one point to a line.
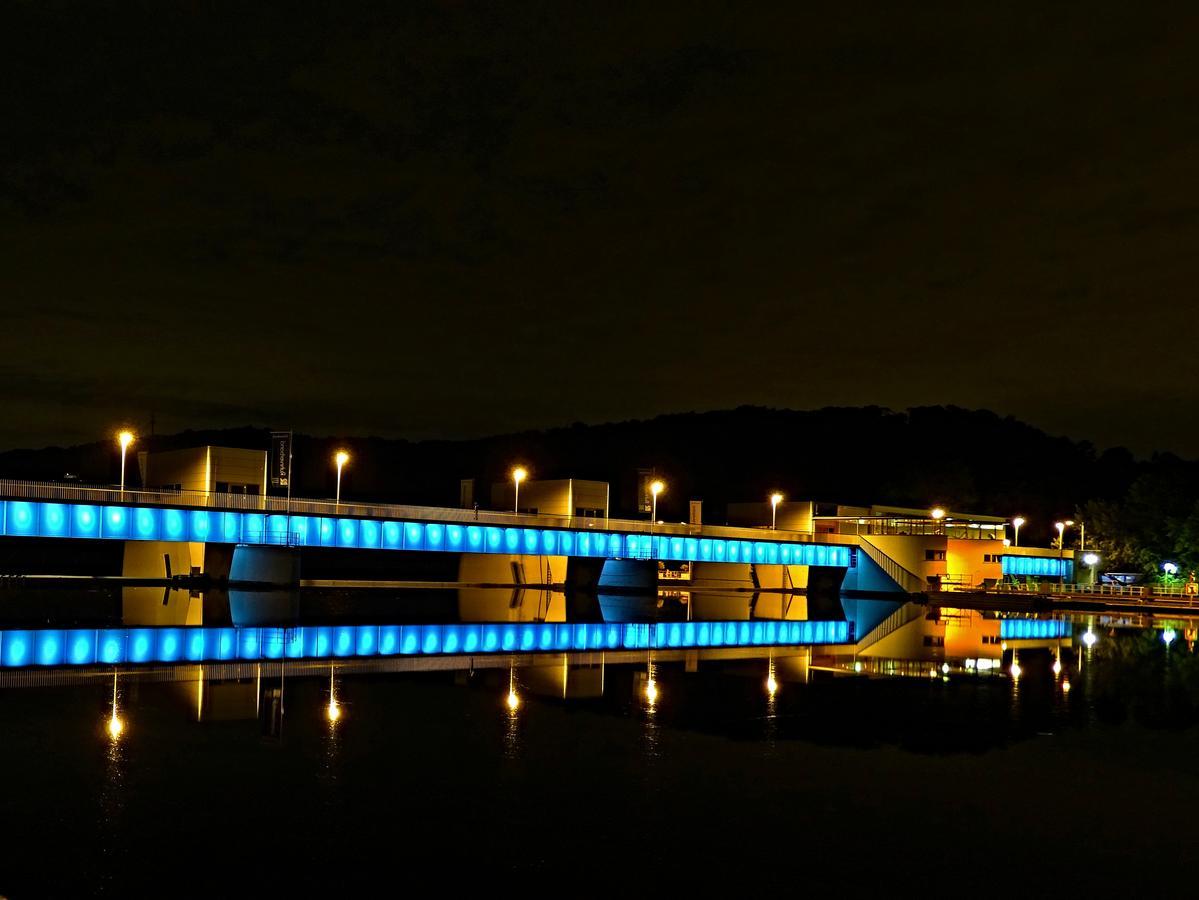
906	579
57	491
1142	591
909	612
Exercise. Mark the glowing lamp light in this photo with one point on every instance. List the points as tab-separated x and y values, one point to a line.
1057	666
512	700
333	711
1018	521
1090	638
1168	636
1015	670
857	665
115	727
340	458
938	512
125	438
1170	568
945	668
772	685
1065	687
775	499
651	691
1091	559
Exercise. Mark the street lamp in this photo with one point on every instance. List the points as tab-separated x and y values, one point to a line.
1016	523
125	438
655	489
938	513
518	475
1092	560
1061	536
775	499
340	458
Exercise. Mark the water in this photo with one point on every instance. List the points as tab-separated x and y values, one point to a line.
557	772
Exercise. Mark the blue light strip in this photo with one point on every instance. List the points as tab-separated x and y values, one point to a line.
27	518
1016	629
1044	566
91	646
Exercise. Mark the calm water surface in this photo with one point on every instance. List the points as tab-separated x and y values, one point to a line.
599	771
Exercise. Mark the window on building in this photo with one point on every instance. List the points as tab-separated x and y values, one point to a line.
587	512
934	555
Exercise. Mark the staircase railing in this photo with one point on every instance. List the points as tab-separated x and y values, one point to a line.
909	581
907	613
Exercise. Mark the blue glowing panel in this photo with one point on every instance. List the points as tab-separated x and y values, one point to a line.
389	639
512	540
199	525
475	538
566	542
550	541
80	647
494	541
327	531
170	645
277	528
344	640
393	536
368	534
230	527
347	533
174	525
451	638
110	645
248	643
195	644
530	540
455	537
430	639
53	520
273	642
115	522
141	645
293	643
48	648
414	536
410	639
21	519
16	649
472	638
85	521
434	537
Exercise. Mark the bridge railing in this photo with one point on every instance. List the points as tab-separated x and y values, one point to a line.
909	612
1133	591
107	495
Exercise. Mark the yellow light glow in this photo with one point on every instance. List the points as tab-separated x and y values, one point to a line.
651	691
513	701
656	488
1018	521
125	438
776	498
938	513
1065	687
857	666
519	474
333	711
115	727
772	685
1015	670
341	458
1057	666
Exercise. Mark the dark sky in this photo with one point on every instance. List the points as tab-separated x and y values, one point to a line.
443	219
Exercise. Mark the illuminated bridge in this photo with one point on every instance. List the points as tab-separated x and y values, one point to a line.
64	511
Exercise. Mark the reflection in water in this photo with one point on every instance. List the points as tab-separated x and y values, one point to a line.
116	726
512	723
333	710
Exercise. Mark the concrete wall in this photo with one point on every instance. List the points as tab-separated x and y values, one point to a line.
497	568
558	497
793	515
201	468
965	559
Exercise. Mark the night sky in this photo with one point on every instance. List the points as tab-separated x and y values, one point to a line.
452	219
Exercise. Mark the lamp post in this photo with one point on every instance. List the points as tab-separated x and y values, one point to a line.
775	499
340	458
518	475
125	438
1016	523
1092	560
655	489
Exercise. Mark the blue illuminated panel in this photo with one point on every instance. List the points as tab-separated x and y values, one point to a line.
1037	566
22	518
87	646
1016	629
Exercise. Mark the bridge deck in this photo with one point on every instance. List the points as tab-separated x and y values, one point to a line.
66	511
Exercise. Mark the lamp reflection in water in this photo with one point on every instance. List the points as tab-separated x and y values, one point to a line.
333	711
116	726
772	685
651	686
512	701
